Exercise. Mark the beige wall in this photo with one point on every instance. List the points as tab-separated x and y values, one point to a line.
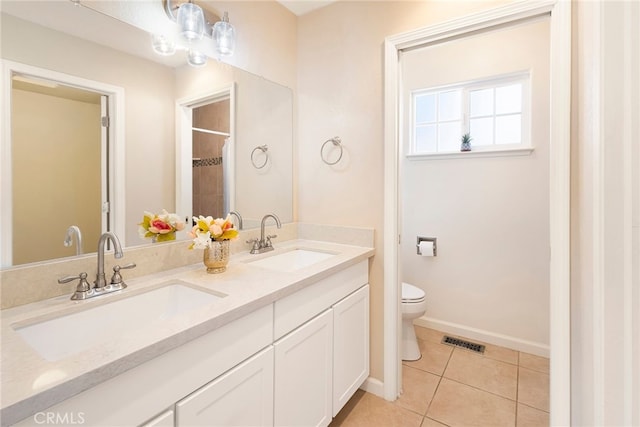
340	93
490	279
55	187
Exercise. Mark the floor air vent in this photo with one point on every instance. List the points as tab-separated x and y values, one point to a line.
457	342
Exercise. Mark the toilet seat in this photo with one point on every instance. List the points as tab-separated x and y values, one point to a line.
411	294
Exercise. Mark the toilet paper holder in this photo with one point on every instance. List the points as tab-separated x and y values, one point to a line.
427	239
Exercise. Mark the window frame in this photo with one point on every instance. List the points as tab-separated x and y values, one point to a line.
525	147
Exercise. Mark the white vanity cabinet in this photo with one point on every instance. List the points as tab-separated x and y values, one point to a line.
320	364
350	346
303	374
241	397
295	362
147	390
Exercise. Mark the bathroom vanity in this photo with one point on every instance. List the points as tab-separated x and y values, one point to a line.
278	339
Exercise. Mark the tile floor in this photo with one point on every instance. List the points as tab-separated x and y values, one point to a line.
455	387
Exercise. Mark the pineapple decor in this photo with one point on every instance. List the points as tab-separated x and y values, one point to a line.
466	142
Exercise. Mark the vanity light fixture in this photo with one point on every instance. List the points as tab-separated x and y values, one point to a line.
190	19
224	36
194	23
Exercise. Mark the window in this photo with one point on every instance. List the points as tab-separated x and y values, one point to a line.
493	111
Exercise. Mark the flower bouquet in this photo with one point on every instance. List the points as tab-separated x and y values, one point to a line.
207	230
161	227
214	236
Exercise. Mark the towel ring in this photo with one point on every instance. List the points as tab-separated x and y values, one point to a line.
264	149
336	142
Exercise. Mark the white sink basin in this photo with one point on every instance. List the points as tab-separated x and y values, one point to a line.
57	338
292	260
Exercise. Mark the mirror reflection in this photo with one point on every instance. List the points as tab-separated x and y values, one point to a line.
156	162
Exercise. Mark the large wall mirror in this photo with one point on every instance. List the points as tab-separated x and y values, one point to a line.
152	164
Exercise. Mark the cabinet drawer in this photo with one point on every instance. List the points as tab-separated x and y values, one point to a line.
292	311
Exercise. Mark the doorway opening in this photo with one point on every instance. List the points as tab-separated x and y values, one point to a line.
559	178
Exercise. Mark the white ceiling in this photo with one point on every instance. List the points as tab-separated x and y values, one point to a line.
300	7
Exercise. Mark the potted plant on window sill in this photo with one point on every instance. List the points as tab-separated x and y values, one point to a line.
466	142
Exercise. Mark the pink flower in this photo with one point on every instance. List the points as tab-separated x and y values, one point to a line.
160	227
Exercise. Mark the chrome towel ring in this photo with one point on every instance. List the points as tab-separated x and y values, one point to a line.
337	143
264	150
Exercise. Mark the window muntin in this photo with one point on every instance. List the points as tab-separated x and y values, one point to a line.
493	111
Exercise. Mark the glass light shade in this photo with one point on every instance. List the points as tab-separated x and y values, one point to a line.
224	36
162	46
191	21
196	59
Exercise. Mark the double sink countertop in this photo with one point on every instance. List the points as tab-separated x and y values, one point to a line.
33	380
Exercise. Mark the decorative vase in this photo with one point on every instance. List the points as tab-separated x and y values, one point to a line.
216	256
465	146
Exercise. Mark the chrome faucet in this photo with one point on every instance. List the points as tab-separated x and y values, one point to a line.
101	282
264	244
237	215
71	231
84	290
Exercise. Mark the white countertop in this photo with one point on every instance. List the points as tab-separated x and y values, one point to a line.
30	384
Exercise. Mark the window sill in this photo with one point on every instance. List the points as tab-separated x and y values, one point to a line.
506	152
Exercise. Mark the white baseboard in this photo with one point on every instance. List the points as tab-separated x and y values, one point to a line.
373	386
513	343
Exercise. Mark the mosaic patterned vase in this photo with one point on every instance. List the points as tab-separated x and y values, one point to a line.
216	256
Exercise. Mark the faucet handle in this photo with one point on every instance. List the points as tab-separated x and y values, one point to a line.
83	290
268	242
116	279
255	241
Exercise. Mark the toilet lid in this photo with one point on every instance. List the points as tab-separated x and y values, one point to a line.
411	293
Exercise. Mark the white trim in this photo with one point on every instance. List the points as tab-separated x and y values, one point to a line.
539	349
117	147
507	152
560	13
373	386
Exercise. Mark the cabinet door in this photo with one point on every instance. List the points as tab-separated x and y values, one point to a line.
303	372
350	346
165	419
241	397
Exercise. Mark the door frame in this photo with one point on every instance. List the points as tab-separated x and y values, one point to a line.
559	198
115	150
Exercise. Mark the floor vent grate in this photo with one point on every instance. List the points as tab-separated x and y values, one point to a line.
457	342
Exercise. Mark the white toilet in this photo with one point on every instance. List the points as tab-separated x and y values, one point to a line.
413	306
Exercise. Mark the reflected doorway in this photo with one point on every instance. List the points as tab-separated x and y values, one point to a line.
59	163
211	131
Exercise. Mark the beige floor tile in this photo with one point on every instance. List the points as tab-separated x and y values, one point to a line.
430	335
533	388
367	410
502	354
487	374
531	417
418	388
536	363
434	357
428	422
457	404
